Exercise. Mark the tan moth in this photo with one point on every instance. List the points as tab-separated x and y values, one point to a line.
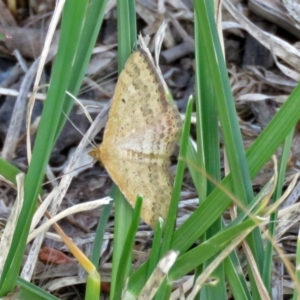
141	132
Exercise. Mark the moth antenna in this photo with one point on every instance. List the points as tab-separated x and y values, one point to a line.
59	177
92	143
82	106
107	78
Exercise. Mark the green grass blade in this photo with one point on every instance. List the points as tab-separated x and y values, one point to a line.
91	25
268	262
208	128
241	184
125	259
235	277
132	27
155	251
2	36
274	134
123	219
170	223
296	291
225	102
126	30
192	159
201	94
8	171
200	254
32	292
93	286
43	144
100	231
